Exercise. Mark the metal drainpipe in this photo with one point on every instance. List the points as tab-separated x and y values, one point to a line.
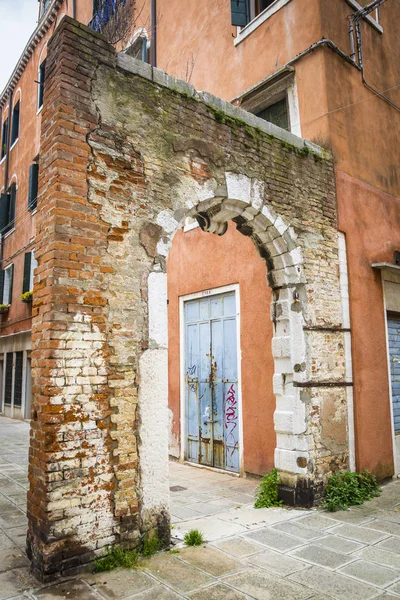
153	29
74	9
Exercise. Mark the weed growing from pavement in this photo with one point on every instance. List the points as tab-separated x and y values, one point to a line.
194	537
150	546
116	557
350	489
267	495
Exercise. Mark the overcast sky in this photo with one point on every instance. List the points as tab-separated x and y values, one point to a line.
17	23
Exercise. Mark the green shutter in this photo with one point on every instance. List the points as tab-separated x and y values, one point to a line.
27	272
4	210
33	186
240	12
10	289
11	213
2	286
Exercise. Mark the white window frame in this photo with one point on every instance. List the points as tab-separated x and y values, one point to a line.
6	279
34	264
245	31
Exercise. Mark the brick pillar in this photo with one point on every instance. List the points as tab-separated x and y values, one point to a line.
83	470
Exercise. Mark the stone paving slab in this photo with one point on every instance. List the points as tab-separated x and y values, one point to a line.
328	582
280	564
264	586
217	592
322	557
339	544
380	556
275	539
212	561
121	583
175	573
239	547
371	573
359	534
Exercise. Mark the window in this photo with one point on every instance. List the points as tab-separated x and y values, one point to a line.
19	361
15	123
13	380
244	11
33	185
276	113
42	75
44	6
139	49
6	284
30	264
4	139
8	379
7	209
275	100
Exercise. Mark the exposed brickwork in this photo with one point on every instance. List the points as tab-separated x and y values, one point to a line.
124	160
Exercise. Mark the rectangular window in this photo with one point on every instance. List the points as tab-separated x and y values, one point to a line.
30	264
139	49
4	138
276	113
244	11
7	288
19	361
33	186
15	123
8	379
42	75
7	209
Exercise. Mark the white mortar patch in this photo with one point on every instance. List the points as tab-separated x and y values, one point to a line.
158	318
153	433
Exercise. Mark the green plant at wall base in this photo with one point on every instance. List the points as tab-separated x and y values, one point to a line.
27	297
350	489
267	495
150	546
116	557
194	537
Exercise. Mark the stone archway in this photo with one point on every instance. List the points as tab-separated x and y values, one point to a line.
126	153
277	243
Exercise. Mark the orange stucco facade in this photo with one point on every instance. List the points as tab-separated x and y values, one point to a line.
336	110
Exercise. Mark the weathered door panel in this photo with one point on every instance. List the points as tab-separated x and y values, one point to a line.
394	357
211	382
231	400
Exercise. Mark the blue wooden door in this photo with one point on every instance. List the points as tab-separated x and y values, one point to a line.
211	381
394	355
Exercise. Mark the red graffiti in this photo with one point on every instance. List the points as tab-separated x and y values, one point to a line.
231	417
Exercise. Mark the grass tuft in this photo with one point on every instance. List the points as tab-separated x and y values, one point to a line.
350	489
151	546
267	495
194	537
116	557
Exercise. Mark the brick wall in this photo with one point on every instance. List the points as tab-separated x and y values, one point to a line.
127	152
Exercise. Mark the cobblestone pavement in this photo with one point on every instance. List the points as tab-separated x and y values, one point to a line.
266	554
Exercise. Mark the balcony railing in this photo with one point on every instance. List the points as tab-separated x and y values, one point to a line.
103	12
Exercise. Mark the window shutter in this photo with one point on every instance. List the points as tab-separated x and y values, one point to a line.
4	210
15	123
33	185
13	198
2	286
10	288
240	12
27	272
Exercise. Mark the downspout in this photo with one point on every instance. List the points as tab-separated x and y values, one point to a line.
74	9
355	24
153	29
